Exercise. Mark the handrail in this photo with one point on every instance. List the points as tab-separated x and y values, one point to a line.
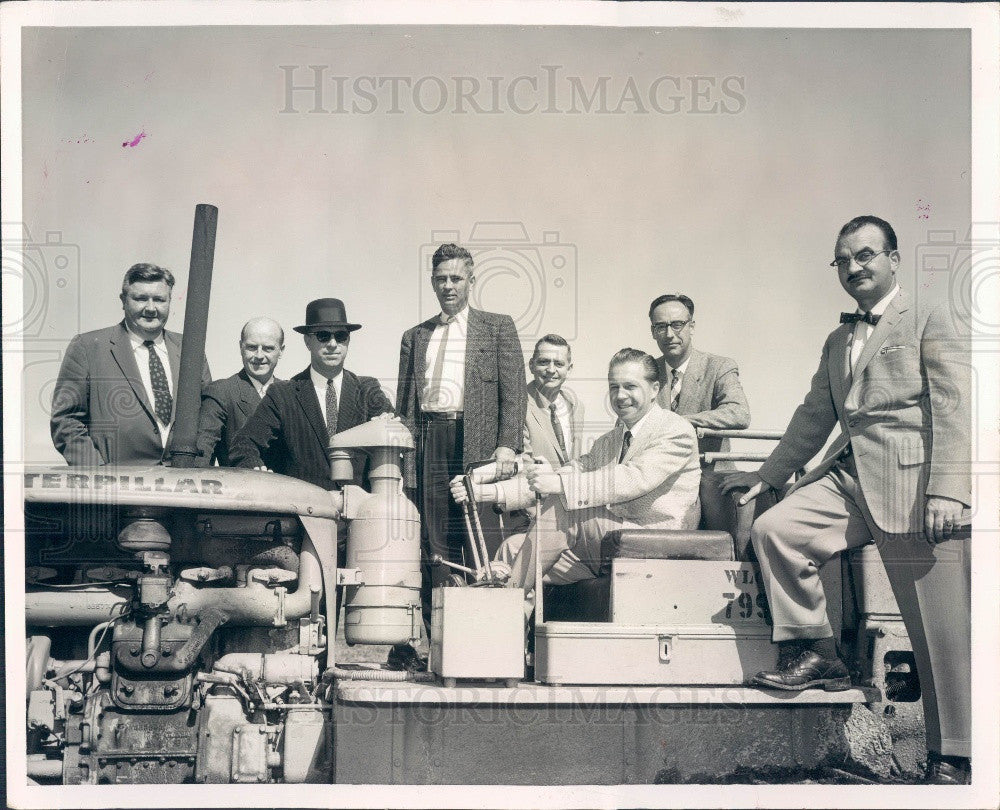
710	458
767	435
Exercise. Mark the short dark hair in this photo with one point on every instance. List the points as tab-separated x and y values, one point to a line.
143	272
679	297
554	340
858	223
644	359
450	251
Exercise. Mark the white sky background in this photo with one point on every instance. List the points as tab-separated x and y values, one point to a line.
740	211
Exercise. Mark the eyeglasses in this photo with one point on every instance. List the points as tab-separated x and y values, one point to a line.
677	326
341	336
863	258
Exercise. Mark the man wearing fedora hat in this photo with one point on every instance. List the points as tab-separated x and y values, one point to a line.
295	419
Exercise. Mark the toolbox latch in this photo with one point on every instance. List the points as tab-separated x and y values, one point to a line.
666	643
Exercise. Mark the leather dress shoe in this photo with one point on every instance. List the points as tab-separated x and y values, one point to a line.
809	669
957	771
404	658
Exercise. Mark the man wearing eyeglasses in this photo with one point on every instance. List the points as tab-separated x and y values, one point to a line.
703	388
895	379
295	419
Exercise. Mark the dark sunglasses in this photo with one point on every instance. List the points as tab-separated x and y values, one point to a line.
325	336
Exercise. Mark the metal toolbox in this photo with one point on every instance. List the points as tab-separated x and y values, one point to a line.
477	633
602	653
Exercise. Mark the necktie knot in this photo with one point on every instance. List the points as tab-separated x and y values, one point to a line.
857	317
147	343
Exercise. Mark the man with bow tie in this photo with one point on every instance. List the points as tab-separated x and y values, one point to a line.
895	379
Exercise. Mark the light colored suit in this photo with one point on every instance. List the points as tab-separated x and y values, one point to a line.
539	435
101	413
655	486
905	412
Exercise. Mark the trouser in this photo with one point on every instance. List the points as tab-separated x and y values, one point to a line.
931	584
569	542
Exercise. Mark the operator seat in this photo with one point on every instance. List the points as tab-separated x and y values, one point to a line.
723	534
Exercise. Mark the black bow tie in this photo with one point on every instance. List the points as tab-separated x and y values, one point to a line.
854	317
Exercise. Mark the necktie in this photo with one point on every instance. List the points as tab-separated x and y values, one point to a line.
675	388
162	401
855	317
331	408
557	429
437	391
626	441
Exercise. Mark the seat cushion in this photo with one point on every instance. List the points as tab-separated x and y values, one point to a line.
666	544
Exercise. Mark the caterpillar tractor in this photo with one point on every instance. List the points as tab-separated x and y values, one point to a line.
180	628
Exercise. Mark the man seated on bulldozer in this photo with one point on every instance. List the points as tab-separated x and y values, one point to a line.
644	473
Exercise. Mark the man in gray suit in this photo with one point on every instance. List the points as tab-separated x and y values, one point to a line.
226	404
703	388
554	418
895	379
114	399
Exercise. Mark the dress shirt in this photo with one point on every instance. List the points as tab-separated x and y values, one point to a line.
319	384
142	361
261	388
563	414
863	331
453	370
681	369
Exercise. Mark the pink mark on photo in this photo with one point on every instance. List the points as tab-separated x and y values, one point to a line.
135	141
923	209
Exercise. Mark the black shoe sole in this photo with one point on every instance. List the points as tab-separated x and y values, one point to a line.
828	684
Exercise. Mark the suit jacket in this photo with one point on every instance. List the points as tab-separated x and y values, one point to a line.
225	407
288	427
101	413
905	410
539	435
495	398
711	397
655	485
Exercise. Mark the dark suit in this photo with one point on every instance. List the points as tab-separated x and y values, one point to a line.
101	413
225	407
904	412
494	408
288	427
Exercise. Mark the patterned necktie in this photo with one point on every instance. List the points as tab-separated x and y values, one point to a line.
163	403
331	408
557	429
675	388
626	441
437	398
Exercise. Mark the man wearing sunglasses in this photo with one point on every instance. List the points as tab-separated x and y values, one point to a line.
294	422
895	379
703	388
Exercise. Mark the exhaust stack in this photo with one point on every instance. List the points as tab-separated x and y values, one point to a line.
184	435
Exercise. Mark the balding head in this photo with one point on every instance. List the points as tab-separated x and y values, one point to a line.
262	341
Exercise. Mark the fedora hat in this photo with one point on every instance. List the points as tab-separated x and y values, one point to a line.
326	313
